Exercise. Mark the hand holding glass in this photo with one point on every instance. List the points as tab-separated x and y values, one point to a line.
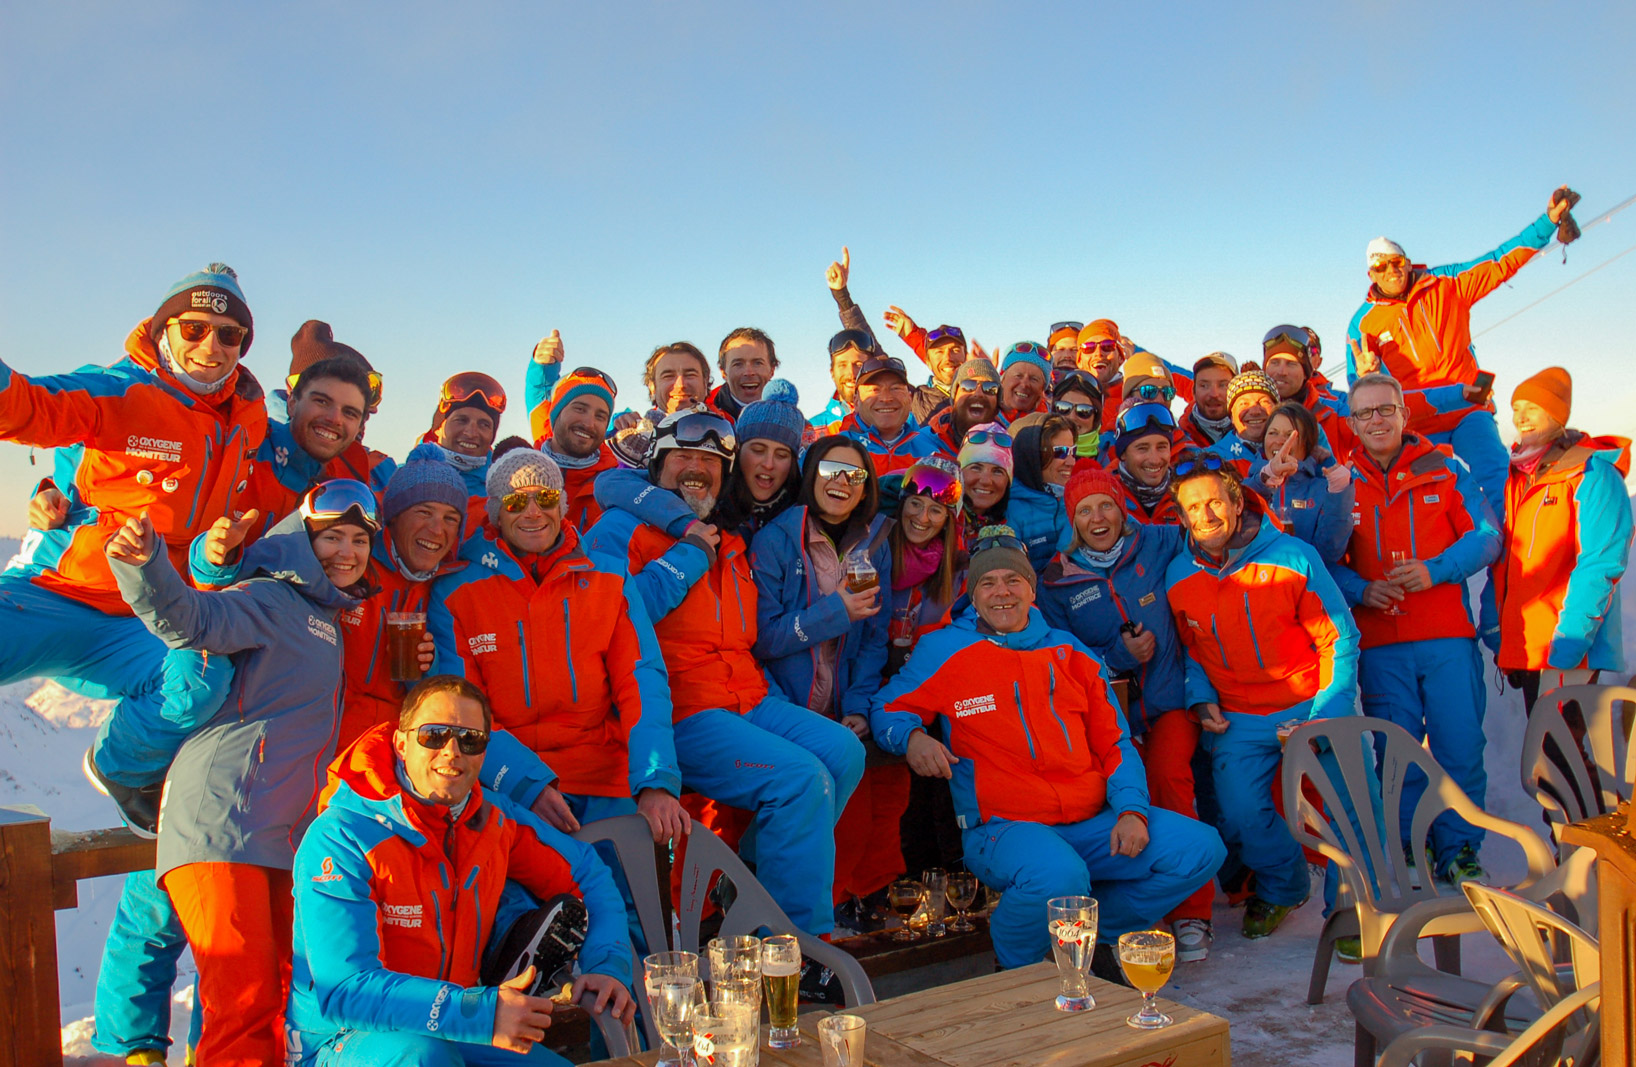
1398	558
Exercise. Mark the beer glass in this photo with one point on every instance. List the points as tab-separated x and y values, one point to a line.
672	981
861	574
724	1034
404	629
962	891
781	977
842	1039
905	896
936	882
735	971
1072	923
1147	957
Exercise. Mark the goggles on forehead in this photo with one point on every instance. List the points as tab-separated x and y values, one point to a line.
471	384
334	499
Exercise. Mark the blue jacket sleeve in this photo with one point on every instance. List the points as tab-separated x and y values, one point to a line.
630	491
537	385
1603	531
895	713
513	770
652	739
446	657
336	917
1481	276
1335	634
208	575
663	583
786	624
1478	546
1334	528
867	644
224	622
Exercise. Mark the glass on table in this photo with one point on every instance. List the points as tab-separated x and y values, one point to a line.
1072	925
1147	957
842	1038
674	992
781	978
961	893
905	895
724	1034
936	882
733	959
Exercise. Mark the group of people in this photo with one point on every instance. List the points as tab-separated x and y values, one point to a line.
710	608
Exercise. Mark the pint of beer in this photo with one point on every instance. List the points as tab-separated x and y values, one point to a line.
781	977
404	630
861	574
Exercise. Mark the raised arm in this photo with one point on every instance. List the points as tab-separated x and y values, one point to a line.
224	622
58	409
544	367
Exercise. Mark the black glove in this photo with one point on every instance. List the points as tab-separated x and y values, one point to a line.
1567	230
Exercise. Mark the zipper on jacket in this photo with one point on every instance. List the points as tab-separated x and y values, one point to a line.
442	940
1380	551
522	646
567	648
1413	553
198	487
477	905
1221	648
1051	702
1022	717
1249	622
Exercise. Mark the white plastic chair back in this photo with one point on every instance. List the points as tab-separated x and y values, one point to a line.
1563	786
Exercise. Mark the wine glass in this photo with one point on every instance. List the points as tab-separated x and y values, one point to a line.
1147	957
1072	924
962	891
672	980
905	896
1398	558
936	882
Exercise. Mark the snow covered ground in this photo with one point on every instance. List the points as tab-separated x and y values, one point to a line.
1260	988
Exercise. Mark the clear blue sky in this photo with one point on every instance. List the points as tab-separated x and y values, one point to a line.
447	184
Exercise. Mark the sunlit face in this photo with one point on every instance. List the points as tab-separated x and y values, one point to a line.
843	371
445	776
1098	521
326	417
1534	426
1147	459
1057	468
207	361
1286	373
1021	387
1002	598
883	404
1212	516
747	368
579	428
423	535
1250	414
836	498
693	475
1391	276
945	358
923	519
765	467
1381	435
1065	353
678	381
1083	424
1210	391
343	552
1280	429
984	484
1100	357
468	431
534	529
977	401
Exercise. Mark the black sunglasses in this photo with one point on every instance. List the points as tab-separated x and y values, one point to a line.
1066	408
437	735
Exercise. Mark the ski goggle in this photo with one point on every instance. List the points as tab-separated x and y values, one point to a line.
697	429
863	342
1209	461
230	335
466	386
1295	335
943	335
983	437
1141	416
829	469
516	501
373	399
1069	409
436	737
941	485
1152	391
341	498
1011	541
972	385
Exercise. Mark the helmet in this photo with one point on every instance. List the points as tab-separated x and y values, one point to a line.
696	429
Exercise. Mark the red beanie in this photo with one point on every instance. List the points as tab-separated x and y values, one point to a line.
1552	389
1089	481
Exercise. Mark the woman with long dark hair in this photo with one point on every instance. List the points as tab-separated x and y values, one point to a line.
1299	482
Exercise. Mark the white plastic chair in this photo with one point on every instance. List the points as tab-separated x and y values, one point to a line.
632	842
1562	785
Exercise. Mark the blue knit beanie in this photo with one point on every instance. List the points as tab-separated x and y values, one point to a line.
216	289
775	417
424	477
1026	352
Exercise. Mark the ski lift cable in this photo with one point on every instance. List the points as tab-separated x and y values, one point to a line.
1494	326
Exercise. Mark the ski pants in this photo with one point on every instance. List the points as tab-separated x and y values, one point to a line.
1434	690
1243	763
1167	756
358	1048
138	971
1030	862
795	770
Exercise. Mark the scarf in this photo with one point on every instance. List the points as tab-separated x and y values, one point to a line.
462	462
402	776
1086	556
567	462
1056	490
920	562
1213	428
403	568
1528	461
1148	496
1086	444
193	385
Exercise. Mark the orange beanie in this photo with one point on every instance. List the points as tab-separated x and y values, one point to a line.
1552	389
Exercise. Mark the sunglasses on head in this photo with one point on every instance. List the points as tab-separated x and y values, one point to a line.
1074	326
1209	461
1027	348
834	468
373	399
516	501
468	384
602	376
944	334
998	541
436	737
1105	347
983	437
193	331
335	498
972	385
1067	408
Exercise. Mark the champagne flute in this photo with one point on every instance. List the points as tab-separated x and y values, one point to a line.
1398	558
1147	957
905	896
962	891
672	980
781	977
1072	923
936	882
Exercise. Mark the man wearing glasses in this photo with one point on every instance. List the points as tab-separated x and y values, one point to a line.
883	423
398	886
568	418
1103	351
976	401
1415	324
1048	791
848	351
1421	528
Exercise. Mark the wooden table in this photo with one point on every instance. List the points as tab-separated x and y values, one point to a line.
1010	1020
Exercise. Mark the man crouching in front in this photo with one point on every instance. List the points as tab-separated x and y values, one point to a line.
397	887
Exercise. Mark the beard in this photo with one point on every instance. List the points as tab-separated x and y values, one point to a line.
701	503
